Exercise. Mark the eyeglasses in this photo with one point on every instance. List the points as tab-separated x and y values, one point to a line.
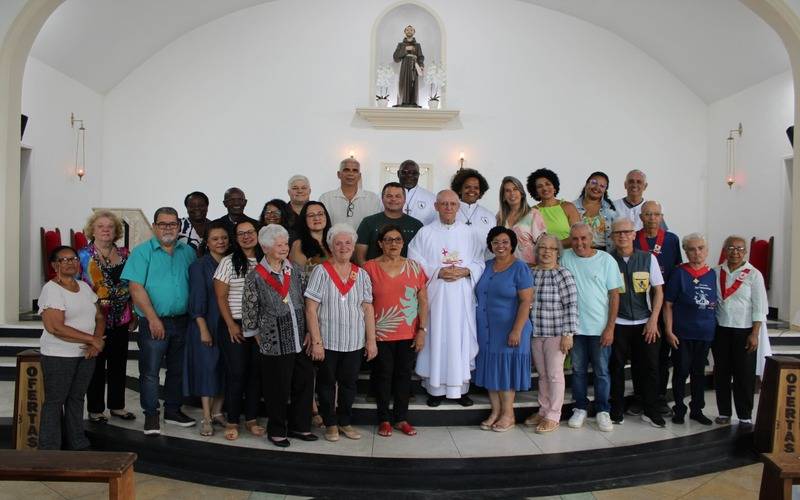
350	209
64	260
246	233
626	232
399	239
548	249
732	249
167	225
273	213
595	182
315	215
652	214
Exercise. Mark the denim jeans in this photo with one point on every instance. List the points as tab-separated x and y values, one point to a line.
151	352
586	349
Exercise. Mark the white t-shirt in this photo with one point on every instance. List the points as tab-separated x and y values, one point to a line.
227	274
79	313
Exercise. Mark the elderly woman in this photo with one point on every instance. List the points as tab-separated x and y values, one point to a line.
526	222
597	210
193	228
341	322
71	340
741	311
240	354
555	321
299	191
559	216
101	267
272	312
400	301
505	293
690	301
202	373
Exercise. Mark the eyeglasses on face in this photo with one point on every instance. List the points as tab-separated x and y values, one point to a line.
250	232
732	249
272	213
652	214
398	239
548	249
595	182
624	232
167	225
64	260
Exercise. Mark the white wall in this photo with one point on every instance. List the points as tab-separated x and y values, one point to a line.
758	205
51	195
260	94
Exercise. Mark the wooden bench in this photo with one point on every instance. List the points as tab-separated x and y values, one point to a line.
781	471
113	468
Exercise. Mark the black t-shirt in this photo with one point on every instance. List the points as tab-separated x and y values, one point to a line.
371	225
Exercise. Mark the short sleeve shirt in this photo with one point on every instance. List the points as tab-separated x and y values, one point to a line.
370	227
164	276
395	300
594	276
79	313
227	274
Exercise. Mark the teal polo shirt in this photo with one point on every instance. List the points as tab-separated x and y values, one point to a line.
164	277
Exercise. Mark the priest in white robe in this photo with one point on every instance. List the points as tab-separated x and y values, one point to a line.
452	256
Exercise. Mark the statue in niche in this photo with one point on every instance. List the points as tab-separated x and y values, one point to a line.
409	54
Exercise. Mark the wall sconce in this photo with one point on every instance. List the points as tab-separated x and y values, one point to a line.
80	147
461	160
351	154
731	159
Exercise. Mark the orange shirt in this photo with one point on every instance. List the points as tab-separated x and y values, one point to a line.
395	300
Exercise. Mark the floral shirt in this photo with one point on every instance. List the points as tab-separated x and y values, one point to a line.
105	280
395	300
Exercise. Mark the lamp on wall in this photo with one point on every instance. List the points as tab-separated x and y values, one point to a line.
80	147
461	160
731	160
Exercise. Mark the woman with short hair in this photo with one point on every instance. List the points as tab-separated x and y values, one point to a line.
273	314
101	267
71	340
341	322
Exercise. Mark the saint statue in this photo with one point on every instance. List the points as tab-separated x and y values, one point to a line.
409	54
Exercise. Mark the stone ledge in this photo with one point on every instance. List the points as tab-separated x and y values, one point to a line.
407	118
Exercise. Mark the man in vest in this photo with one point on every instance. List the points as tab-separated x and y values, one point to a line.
636	335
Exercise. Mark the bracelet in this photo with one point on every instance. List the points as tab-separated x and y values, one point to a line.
317	343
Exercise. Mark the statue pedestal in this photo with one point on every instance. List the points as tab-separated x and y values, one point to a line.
407	118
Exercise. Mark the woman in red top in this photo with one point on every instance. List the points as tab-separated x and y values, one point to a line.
400	301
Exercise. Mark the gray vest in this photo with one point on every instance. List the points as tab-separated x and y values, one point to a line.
636	284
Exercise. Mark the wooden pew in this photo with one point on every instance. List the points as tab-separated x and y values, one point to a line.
781	471
114	468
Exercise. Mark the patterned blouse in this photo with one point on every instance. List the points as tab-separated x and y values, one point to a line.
189	235
280	326
395	300
105	280
555	304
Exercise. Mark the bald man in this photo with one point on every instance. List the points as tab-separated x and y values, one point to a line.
235	201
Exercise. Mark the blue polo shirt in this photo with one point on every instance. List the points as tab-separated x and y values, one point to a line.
694	305
164	277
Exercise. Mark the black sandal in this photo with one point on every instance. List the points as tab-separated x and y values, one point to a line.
98	418
124	416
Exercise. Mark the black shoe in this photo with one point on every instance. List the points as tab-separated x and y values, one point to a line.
634	409
678	419
654	419
152	425
303	437
179	418
280	443
617	418
664	409
699	417
434	401
465	401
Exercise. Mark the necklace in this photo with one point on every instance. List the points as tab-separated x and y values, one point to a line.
106	258
72	287
469	218
408	203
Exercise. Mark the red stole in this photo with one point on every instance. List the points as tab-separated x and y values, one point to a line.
696	274
727	292
659	241
343	287
281	288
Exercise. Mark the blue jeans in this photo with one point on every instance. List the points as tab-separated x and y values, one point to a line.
151	352
586	349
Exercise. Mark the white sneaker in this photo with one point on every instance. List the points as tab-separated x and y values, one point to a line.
577	418
604	421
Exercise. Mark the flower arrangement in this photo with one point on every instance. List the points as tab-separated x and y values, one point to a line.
436	78
383	80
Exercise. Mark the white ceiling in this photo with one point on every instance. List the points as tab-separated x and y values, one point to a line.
716	47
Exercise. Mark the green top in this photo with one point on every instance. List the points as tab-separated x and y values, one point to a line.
370	226
556	220
164	277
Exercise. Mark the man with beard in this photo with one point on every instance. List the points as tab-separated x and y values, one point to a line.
393	198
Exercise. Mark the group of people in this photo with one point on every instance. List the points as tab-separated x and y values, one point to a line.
292	304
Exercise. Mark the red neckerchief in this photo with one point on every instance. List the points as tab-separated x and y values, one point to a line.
351	280
727	292
659	241
695	273
281	288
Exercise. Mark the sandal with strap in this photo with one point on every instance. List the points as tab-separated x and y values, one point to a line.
205	428
255	429
231	432
385	429
406	428
124	415
219	419
316	420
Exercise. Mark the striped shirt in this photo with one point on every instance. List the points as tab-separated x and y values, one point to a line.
227	274
555	305
341	322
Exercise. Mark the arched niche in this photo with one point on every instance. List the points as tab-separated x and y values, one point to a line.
388	31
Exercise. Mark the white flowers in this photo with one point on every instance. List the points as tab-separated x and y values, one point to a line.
436	77
384	78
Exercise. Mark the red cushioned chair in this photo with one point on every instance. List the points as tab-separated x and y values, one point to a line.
761	257
78	239
50	241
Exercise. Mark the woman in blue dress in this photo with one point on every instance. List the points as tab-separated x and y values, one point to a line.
505	294
202	374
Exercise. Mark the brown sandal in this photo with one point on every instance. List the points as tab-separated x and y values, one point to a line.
255	429
232	432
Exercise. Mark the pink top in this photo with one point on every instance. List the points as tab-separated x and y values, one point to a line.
395	300
528	229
